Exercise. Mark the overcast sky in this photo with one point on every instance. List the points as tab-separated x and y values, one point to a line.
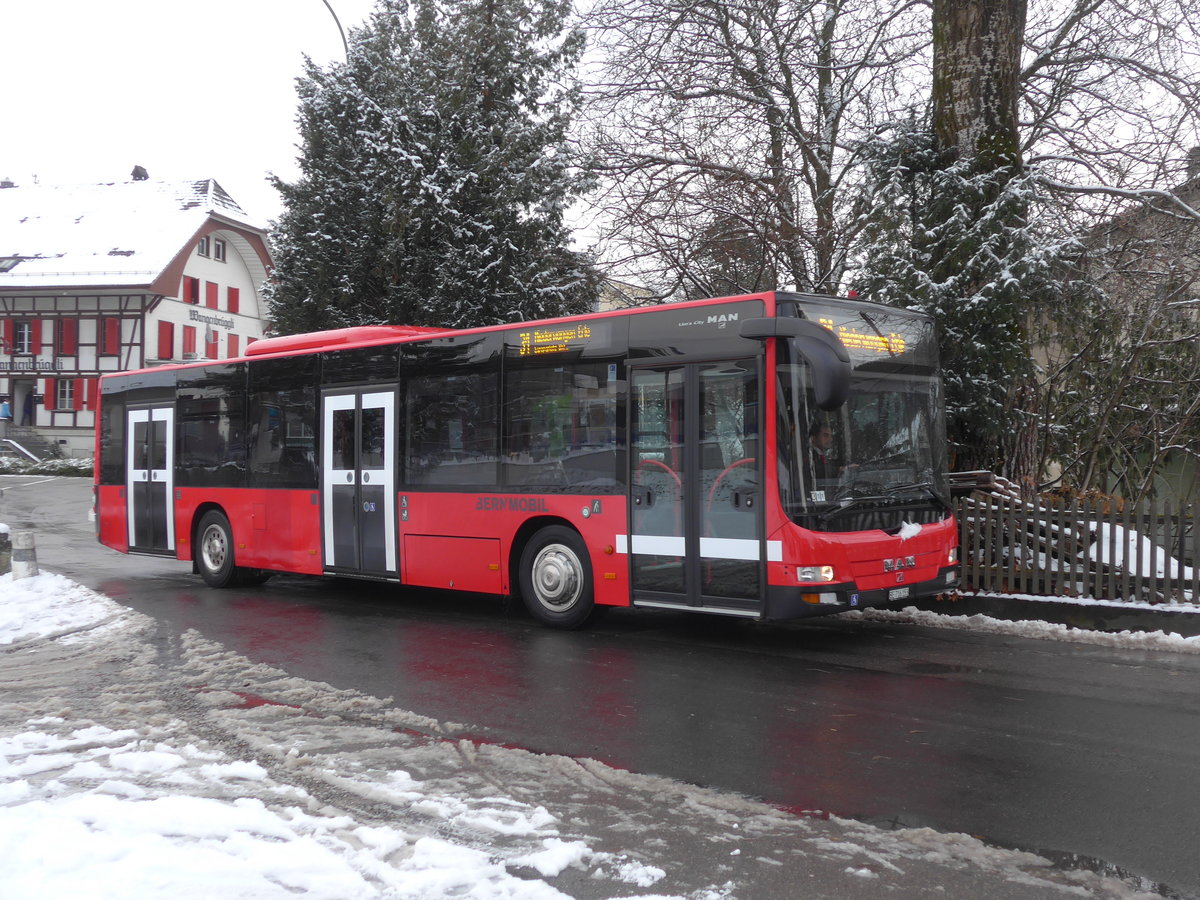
185	90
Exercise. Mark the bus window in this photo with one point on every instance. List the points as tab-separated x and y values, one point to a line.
282	418
560	431
451	429
212	427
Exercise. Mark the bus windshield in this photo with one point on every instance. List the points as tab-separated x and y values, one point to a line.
875	462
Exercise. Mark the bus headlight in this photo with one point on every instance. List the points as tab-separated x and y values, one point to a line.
952	556
814	573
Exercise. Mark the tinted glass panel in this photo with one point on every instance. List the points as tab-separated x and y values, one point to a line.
112	440
451	432
561	426
141	446
158	445
364	366
373	421
282	422
456	355
877	338
212	427
342	439
728	470
150	387
657	492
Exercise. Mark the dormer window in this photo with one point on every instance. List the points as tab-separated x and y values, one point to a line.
8	263
218	250
202	248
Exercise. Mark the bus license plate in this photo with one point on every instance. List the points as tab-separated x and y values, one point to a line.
898	593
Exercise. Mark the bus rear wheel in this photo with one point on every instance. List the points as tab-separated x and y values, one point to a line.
214	550
556	578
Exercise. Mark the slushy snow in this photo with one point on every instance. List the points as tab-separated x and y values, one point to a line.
123	775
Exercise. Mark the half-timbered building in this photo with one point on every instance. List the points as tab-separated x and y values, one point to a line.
108	277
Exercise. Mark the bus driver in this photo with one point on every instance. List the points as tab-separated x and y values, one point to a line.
821	462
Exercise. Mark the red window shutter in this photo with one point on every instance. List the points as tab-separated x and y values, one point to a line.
93	393
49	393
211	339
189	339
79	393
232	350
235	299
111	342
7	334
35	334
191	289
68	337
210	295
166	340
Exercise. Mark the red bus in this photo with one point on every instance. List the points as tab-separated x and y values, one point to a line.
663	456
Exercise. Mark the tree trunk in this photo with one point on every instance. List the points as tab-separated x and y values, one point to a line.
976	63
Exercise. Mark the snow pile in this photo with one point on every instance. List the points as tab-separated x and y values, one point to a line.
49	606
1130	550
1142	640
124	774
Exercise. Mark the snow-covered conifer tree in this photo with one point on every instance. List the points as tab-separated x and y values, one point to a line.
436	172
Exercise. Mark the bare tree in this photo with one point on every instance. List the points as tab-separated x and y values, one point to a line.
1110	96
734	137
1110	105
1122	380
750	115
741	119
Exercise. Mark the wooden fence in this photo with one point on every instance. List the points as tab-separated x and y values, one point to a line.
1149	553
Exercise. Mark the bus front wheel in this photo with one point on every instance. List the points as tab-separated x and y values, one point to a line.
556	578
214	550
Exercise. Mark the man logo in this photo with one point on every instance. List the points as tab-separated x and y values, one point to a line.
899	563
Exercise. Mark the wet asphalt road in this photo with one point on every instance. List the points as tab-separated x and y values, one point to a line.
1062	748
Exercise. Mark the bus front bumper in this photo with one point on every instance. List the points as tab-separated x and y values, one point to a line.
787	602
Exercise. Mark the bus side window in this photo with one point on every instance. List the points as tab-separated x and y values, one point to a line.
282	418
451	429
559	420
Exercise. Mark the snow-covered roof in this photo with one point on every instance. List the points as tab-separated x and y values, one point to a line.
122	234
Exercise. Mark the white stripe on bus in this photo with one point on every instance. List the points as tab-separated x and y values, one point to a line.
710	548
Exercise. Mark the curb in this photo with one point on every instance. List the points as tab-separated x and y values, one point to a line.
1092	616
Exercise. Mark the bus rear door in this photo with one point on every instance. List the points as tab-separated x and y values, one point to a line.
696	528
149	483
358	482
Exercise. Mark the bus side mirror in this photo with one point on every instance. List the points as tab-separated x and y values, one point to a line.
825	354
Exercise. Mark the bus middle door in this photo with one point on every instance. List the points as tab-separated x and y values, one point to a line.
695	487
358	482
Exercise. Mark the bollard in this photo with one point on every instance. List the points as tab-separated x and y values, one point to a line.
5	553
24	555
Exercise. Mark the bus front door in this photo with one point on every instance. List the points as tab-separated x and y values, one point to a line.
696	532
358	482
149	484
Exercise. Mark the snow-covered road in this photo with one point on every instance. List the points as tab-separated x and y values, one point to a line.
121	777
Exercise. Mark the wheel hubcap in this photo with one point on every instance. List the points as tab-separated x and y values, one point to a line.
557	577
213	548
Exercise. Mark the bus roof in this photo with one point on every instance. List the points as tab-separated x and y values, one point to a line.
337	337
369	335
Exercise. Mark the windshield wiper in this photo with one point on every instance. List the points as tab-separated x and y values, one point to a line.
848	503
927	486
879	494
909	486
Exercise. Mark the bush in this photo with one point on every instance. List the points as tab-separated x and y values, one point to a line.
83	468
